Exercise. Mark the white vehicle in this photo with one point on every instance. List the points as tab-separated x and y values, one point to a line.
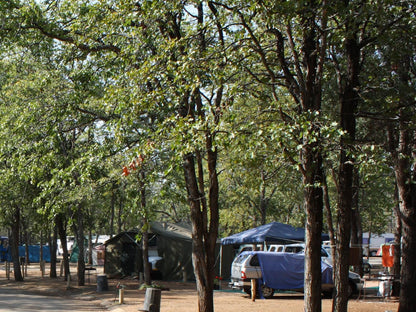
300	248
325	253
247	266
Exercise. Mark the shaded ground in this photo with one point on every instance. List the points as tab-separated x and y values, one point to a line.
181	296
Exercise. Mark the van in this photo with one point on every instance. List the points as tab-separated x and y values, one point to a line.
283	271
299	248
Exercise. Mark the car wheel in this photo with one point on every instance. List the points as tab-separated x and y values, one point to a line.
366	268
267	292
247	290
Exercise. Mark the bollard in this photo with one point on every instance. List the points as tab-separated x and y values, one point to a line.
121	295
253	289
152	300
102	284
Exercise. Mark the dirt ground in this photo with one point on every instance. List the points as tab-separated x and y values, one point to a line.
178	296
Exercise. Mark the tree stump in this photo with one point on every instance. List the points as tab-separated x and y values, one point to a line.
152	300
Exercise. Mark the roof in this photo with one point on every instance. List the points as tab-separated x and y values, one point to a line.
179	231
274	232
130	235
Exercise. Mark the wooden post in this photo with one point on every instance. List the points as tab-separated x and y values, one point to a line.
121	295
253	289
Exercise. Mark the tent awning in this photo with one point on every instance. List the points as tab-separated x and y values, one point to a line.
274	232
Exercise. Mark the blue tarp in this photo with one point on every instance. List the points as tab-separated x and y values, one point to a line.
34	253
274	232
285	271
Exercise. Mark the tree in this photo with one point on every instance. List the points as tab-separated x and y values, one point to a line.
292	56
183	90
391	108
403	140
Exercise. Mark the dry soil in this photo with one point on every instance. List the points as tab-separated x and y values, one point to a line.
178	296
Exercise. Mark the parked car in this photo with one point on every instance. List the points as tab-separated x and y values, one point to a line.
285	271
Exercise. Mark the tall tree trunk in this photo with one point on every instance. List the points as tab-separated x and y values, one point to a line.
80	236
14	244
61	228
349	98
311	158
53	243
407	199
313	203
404	156
203	236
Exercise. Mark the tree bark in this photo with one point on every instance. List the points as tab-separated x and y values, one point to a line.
61	228
311	161
313	203
204	239
406	177
14	245
80	236
404	157
53	243
349	98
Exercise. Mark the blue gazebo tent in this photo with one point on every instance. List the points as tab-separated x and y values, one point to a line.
272	233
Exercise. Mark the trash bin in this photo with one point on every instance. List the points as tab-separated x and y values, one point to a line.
385	285
102	283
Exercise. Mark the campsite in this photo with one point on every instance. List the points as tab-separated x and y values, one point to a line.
172	243
178	296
